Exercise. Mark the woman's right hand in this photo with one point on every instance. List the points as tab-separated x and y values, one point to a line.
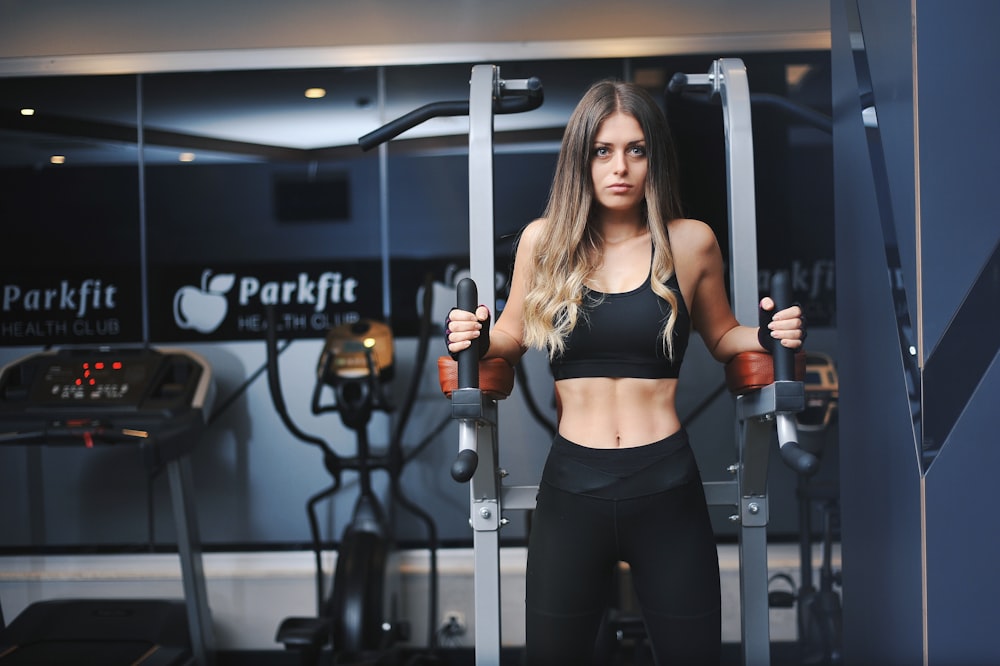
462	327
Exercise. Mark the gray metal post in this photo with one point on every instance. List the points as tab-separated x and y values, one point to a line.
485	514
727	78
192	571
484	485
483	87
476	413
730	79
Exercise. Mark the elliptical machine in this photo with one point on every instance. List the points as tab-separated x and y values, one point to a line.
353	620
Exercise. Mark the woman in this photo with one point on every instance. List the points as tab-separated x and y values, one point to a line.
610	281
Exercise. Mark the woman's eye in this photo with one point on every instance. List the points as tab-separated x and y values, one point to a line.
639	151
601	151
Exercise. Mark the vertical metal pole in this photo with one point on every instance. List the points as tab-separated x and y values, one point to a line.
755	441
485	521
383	208
192	571
140	145
482	88
484	486
731	81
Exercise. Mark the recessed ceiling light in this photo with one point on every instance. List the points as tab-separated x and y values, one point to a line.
315	93
185	157
27	112
57	159
794	74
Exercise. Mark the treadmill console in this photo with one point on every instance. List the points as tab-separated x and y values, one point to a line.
104	395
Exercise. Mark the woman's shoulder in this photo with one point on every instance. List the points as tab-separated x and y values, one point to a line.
688	235
529	235
534	229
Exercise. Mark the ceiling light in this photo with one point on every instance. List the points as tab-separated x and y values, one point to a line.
315	93
795	74
57	159
185	157
27	112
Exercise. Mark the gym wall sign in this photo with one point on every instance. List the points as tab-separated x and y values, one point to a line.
71	307
228	302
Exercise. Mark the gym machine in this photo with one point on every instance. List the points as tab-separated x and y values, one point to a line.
766	396
818	609
761	406
354	617
489	94
156	400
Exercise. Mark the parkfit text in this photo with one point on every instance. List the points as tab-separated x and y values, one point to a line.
88	295
328	288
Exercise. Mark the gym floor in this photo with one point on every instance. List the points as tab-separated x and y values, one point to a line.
782	654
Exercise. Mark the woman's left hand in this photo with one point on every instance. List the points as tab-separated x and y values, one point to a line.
787	326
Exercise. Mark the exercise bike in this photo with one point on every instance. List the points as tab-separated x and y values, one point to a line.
354	620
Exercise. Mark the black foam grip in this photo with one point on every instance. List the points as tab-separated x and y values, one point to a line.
394	128
521	100
794	456
468	359
799	459
465	465
784	357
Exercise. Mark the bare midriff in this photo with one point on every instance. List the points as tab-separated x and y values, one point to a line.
606	412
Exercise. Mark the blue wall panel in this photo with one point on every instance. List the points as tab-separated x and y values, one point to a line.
880	474
959	153
962	538
919	548
960	160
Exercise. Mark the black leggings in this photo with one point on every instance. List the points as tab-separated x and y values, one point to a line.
644	506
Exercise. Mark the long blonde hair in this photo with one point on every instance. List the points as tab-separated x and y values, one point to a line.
569	249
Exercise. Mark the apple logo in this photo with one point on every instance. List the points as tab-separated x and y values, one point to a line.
204	308
443	293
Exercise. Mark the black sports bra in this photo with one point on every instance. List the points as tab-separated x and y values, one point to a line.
618	335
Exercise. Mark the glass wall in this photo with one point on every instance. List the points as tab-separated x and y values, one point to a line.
172	207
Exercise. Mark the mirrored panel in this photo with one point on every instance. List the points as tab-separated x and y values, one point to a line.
902	301
254	200
203	197
70	211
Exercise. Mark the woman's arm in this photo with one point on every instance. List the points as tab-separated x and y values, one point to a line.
697	250
507	335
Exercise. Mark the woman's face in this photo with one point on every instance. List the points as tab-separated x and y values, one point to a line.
619	163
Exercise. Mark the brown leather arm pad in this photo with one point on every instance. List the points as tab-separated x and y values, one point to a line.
496	377
749	371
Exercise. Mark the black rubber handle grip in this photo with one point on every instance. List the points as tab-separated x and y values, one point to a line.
466	293
394	128
784	358
464	467
468	359
518	101
794	456
515	101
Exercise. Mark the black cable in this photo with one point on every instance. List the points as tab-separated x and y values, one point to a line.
317	543
151	512
400	459
428	439
423	339
703	405
242	388
277	397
